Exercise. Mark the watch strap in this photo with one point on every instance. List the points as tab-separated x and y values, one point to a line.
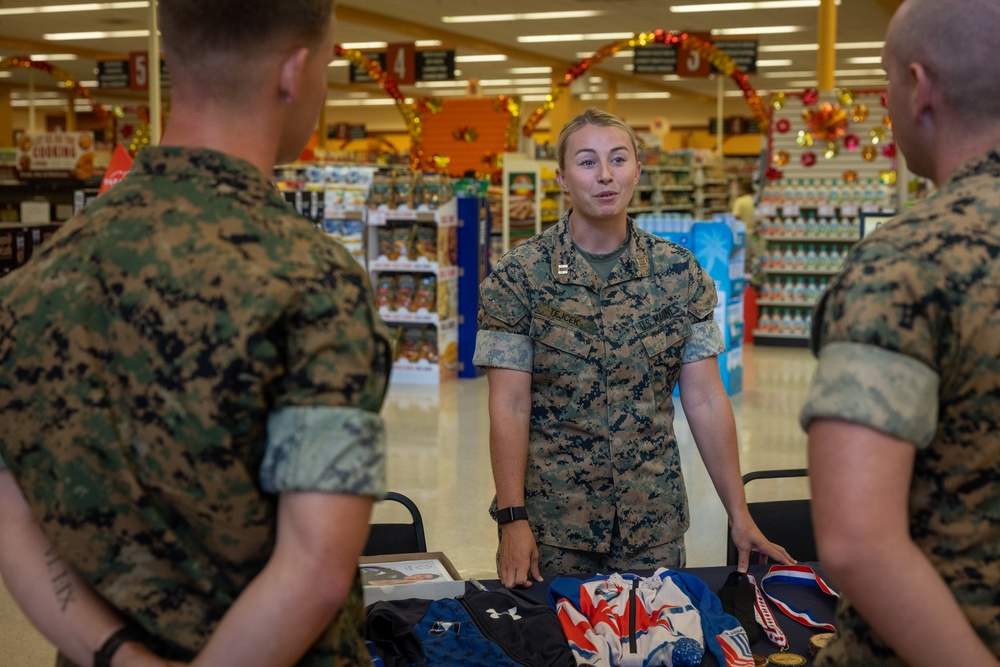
127	633
508	514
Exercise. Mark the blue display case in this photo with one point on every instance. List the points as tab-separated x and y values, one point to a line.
719	246
473	266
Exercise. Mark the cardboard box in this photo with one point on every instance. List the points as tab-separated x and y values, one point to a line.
426	576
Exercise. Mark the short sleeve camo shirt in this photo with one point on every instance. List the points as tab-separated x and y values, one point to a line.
908	344
170	360
604	359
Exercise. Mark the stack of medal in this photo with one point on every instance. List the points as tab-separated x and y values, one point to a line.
789	574
818	642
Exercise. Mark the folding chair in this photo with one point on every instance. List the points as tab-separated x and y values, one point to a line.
784	522
397	538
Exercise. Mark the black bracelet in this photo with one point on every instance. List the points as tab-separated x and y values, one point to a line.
103	655
508	514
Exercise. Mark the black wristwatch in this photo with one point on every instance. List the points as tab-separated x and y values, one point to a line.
508	514
128	633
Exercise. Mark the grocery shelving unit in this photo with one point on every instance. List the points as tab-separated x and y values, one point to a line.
426	330
809	218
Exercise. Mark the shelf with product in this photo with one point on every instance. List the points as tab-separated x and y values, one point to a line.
827	169
665	184
413	260
711	193
531	200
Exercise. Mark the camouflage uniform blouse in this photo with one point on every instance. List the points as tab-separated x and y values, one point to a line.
604	360
908	339
169	361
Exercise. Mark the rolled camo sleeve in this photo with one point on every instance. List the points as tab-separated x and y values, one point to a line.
706	339
326	449
884	390
503	340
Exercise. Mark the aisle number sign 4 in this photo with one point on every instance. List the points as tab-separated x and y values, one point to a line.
401	62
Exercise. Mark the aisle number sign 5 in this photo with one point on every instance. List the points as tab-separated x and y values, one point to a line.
401	61
138	71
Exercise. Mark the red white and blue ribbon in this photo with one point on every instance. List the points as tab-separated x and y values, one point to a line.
767	621
800	575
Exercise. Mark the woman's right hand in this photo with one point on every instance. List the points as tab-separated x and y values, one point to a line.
518	562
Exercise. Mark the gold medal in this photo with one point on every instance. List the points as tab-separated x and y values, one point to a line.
819	642
786	658
759	660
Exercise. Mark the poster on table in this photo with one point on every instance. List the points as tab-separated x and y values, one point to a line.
56	155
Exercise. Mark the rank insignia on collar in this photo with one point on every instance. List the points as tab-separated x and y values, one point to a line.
563	269
642	261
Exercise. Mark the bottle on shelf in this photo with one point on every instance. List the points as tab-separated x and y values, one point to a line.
765	289
799	293
786	321
764	321
812	291
822	192
788	259
811	258
823	259
800	257
798	324
812	227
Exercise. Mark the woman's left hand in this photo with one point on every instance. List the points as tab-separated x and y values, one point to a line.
748	538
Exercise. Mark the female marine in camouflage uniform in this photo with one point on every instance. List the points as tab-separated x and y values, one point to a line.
585	330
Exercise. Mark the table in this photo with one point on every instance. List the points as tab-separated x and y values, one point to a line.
821	605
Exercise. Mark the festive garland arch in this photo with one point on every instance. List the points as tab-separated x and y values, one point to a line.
413	114
707	50
140	138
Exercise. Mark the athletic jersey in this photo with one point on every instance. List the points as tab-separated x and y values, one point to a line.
668	619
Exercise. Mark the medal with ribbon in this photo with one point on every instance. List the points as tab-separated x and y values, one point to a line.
800	575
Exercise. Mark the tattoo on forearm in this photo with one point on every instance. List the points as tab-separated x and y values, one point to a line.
62	580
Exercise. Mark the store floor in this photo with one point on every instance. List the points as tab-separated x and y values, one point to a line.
439	457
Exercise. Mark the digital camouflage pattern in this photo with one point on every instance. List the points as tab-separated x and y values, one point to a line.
604	359
143	351
919	303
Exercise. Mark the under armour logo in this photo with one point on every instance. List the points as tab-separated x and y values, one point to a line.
512	612
443	627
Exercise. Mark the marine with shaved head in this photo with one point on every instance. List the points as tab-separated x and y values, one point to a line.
904	412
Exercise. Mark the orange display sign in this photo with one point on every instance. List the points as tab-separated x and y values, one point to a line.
466	134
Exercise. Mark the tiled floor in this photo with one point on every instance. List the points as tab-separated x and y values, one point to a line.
439	457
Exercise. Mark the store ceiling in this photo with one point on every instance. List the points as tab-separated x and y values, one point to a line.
859	22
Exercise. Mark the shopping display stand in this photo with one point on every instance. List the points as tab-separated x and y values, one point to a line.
719	246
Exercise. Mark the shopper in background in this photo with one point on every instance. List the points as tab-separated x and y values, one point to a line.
585	330
190	379
904	413
743	209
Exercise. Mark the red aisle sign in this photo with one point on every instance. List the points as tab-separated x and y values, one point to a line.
401	62
690	62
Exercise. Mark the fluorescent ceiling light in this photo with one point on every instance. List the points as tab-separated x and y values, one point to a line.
744	6
759	30
646	95
82	7
534	98
484	58
440	84
373	102
52	57
578	37
428	43
811	83
594	96
5	75
529	70
361	46
787	75
111	34
514	82
339	62
583	55
865	60
785	48
778	62
527	16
